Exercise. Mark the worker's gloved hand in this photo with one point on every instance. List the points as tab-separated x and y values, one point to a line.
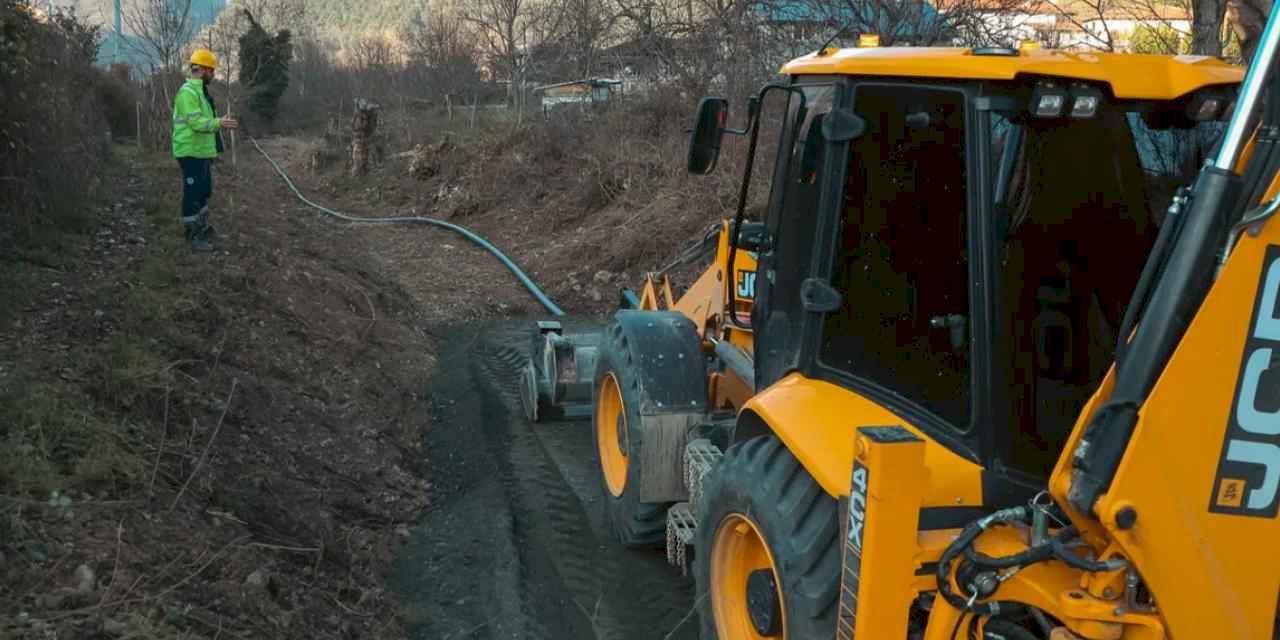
227	122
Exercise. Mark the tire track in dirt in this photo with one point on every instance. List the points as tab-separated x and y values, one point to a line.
515	547
620	594
465	573
548	503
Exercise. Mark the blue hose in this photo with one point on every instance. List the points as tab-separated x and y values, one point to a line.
467	233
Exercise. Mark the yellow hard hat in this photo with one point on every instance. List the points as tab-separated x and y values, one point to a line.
204	58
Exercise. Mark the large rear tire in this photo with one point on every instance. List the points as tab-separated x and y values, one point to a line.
618	437
766	528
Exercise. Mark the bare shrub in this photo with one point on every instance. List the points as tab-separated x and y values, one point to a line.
52	129
118	98
155	101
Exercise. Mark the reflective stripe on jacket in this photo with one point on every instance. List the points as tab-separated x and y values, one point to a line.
195	127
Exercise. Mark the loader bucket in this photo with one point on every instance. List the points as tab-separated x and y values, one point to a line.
558	377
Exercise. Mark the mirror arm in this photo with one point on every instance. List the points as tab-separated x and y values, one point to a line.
753	125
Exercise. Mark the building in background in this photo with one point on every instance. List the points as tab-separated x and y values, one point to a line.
586	93
1092	25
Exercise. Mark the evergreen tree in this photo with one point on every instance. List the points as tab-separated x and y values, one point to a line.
264	67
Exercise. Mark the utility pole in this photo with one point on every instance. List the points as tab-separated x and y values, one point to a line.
115	49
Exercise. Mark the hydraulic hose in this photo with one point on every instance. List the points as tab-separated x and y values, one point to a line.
1055	547
1006	629
466	233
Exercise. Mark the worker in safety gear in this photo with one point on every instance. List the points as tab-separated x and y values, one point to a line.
196	142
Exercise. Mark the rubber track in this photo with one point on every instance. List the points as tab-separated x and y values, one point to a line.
617	598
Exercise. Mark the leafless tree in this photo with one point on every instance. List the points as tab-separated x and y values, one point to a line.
503	27
728	45
580	29
373	53
1088	20
1248	19
161	28
911	22
1160	24
648	30
374	61
1207	17
440	52
311	65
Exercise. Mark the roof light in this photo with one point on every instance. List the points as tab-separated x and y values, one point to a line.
1084	101
994	51
869	40
1204	107
1050	105
1084	106
1228	110
1048	100
1028	45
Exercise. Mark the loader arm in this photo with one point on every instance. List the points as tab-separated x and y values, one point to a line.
1176	465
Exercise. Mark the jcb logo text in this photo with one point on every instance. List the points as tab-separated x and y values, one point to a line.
1248	477
746	284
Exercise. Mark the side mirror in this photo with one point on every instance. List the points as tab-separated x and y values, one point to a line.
750	236
708	130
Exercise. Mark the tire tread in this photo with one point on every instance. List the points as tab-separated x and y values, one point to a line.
762	478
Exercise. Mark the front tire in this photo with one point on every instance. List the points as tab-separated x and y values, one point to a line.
768	555
618	439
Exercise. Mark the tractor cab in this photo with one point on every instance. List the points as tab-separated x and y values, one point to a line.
955	234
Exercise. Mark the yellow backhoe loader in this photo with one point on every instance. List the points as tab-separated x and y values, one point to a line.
998	361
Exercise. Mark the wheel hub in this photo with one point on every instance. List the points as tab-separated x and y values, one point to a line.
621	433
762	603
611	431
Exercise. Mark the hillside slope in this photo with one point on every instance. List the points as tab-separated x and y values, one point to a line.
203	446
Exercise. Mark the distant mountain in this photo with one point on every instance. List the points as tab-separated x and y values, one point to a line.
344	20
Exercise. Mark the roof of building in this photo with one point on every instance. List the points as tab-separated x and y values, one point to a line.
1144	10
1130	75
594	82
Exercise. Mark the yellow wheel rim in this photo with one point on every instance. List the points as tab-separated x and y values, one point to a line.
737	551
611	427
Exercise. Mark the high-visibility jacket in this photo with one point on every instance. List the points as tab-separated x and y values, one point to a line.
195	127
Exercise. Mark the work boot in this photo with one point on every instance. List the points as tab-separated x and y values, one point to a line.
197	238
207	230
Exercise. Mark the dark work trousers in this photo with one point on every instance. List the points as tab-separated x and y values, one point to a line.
197	186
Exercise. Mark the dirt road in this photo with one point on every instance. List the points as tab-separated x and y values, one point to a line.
515	544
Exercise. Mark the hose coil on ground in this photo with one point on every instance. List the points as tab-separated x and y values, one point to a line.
528	283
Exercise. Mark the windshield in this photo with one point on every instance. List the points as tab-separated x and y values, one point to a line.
1076	221
1074	206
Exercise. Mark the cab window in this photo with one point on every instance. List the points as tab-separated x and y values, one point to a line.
902	259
